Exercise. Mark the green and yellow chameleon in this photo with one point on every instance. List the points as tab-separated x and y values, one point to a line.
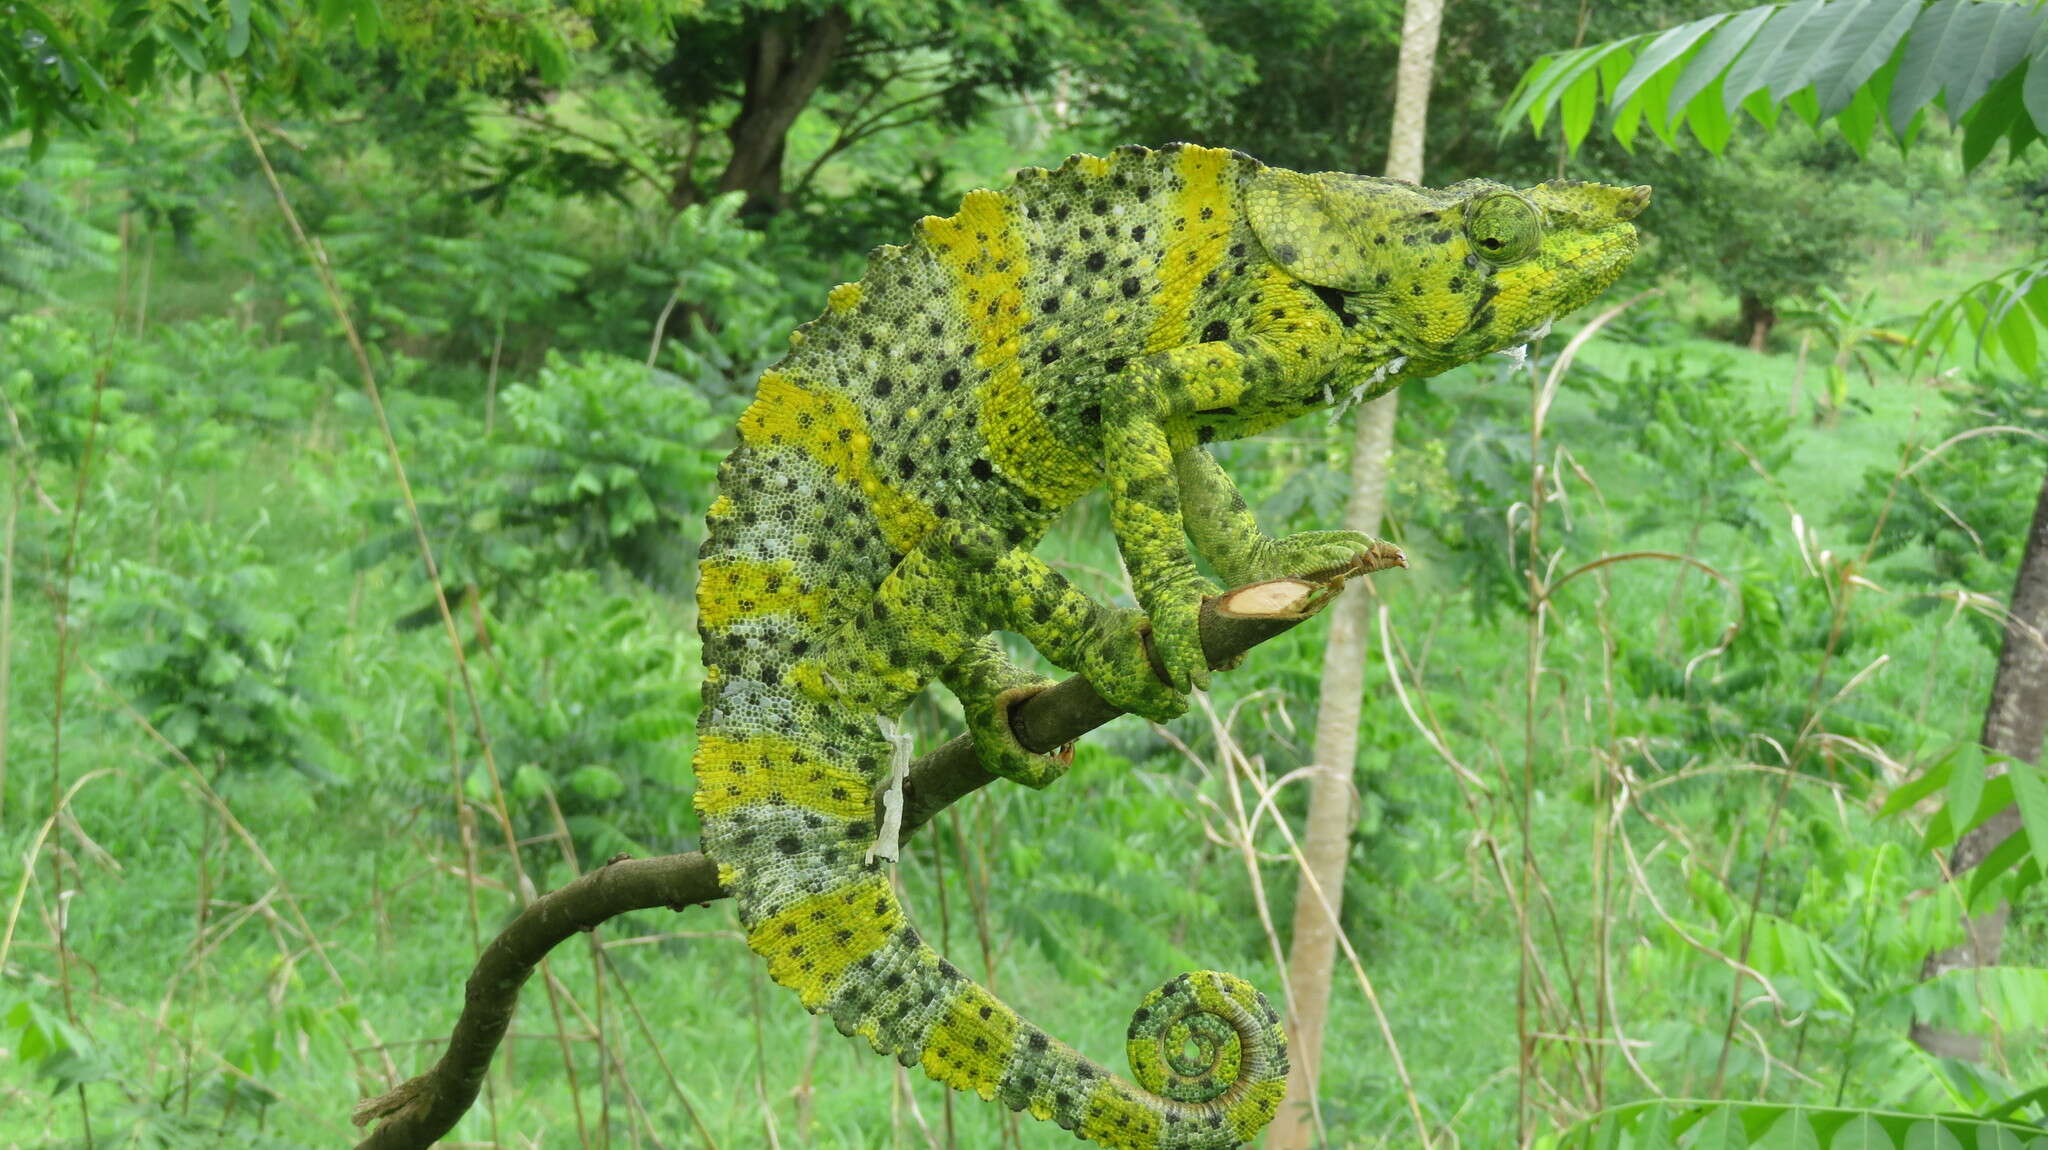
1096	324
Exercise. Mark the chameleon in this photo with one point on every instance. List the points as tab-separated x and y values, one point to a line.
1091	326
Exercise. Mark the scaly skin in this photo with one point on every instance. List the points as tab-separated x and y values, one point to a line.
1094	325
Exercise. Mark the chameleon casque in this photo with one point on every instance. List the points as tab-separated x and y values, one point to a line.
1092	325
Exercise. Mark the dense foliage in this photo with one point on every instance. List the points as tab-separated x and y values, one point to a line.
266	786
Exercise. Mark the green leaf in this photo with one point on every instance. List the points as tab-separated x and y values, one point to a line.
238	28
1934	778
2031	794
182	44
1521	100
2003	33
368	21
1655	97
1791	1130
2016	333
1575	65
2036	92
1965	790
1996	862
1860	120
1576	107
1665	49
1959	47
1709	123
1790	1127
1706	67
1863	46
1766	55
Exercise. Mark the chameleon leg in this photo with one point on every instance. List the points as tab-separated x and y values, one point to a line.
1224	532
988	684
963	580
1144	425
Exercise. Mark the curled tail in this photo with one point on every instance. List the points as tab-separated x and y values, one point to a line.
790	836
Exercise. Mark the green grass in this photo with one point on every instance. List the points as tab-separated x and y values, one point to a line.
1096	888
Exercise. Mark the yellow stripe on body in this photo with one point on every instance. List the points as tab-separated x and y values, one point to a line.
1195	249
732	589
814	941
734	771
970	1047
829	429
984	250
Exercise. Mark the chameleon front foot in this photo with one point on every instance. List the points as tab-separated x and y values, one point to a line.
1115	662
1312	553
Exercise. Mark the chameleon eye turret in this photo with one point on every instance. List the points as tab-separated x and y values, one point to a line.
1088	327
1503	228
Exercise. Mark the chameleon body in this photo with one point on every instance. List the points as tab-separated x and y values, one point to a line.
1087	326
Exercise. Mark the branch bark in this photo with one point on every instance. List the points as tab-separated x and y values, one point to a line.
424	1108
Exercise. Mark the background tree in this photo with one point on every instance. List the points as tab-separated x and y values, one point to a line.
1861	64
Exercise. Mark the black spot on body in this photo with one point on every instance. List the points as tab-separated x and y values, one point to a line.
1131	287
950	380
1216	332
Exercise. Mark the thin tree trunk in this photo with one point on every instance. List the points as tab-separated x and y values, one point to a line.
1757	319
2015	723
1326	843
788	65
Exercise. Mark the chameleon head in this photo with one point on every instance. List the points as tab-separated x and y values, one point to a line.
1445	276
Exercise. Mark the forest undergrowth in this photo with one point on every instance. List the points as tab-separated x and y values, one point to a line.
1680	623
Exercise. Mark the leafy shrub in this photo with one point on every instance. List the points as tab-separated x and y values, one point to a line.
41	234
48	372
1961	519
729	309
208	662
601	464
590	701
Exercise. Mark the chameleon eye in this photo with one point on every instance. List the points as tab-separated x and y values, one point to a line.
1504	228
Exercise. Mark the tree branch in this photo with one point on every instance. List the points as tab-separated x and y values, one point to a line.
421	1110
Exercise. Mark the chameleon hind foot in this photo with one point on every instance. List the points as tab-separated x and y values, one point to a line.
989	686
996	745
